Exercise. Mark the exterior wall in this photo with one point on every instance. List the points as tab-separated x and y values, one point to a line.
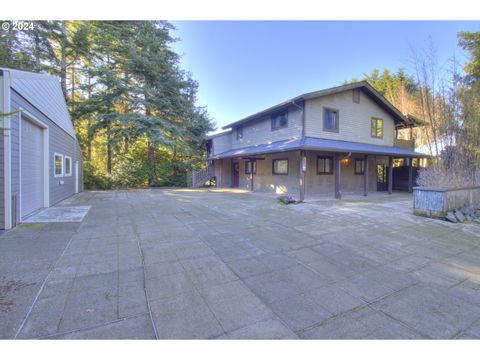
223	172
260	131
315	184
350	183
59	142
265	181
222	143
3	109
354	119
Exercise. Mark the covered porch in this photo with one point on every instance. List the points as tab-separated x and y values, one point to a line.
316	168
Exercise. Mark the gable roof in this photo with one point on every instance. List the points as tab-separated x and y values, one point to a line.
45	93
363	85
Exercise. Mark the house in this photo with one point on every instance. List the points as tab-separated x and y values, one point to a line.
40	158
341	140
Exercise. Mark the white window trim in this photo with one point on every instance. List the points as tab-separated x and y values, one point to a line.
54	165
65	165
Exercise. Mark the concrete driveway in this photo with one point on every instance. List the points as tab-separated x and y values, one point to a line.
198	264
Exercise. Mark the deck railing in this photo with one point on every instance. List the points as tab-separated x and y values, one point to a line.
200	177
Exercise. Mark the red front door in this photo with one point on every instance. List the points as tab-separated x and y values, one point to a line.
236	174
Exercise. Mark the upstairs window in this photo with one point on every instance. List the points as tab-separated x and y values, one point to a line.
280	167
377	128
279	121
248	167
330	120
240	132
324	165
359	166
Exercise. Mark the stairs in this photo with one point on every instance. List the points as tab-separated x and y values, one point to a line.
202	176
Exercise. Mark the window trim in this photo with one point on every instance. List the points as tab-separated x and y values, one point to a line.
54	165
376	124
278	114
65	165
337	129
355	166
254	167
330	158
273	166
239	132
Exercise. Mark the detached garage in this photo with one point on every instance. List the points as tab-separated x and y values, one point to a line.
40	158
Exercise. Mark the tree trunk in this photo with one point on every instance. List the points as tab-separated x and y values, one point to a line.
109	155
151	159
125	148
63	59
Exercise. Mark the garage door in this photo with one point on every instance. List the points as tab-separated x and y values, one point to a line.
32	167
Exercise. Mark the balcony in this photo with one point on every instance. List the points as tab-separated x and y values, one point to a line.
406	144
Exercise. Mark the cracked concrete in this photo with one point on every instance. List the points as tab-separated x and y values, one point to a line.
166	263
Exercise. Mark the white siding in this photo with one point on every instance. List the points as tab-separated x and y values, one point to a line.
354	119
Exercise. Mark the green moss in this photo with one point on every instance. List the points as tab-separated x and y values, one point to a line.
31	226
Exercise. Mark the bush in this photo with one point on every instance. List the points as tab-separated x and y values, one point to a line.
93	180
454	173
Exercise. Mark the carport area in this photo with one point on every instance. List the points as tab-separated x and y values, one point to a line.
173	263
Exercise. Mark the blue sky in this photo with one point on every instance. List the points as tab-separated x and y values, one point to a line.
245	66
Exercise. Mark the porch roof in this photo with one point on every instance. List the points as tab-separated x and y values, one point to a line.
318	144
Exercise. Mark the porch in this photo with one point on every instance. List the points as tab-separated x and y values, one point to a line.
316	174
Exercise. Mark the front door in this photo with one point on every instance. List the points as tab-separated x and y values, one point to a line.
236	174
382	175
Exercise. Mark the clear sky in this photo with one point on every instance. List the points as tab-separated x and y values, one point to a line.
244	67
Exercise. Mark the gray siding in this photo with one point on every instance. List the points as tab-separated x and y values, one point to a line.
59	142
354	119
222	143
260	131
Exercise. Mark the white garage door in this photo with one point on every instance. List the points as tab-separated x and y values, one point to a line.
32	167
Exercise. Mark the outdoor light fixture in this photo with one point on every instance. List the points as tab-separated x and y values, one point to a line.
344	161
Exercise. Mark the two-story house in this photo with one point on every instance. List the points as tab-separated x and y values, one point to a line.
328	142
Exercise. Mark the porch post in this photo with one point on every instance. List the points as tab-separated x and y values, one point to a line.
410	175
338	194
390	174
303	168
365	175
252	166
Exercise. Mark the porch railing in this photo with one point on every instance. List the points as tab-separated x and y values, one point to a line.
406	144
200	177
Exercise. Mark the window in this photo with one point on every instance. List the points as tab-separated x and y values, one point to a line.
240	133
280	167
359	166
330	120
58	165
377	128
356	96
68	166
279	120
324	165
248	167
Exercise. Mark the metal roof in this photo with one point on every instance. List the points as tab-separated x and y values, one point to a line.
45	93
398	117
317	144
